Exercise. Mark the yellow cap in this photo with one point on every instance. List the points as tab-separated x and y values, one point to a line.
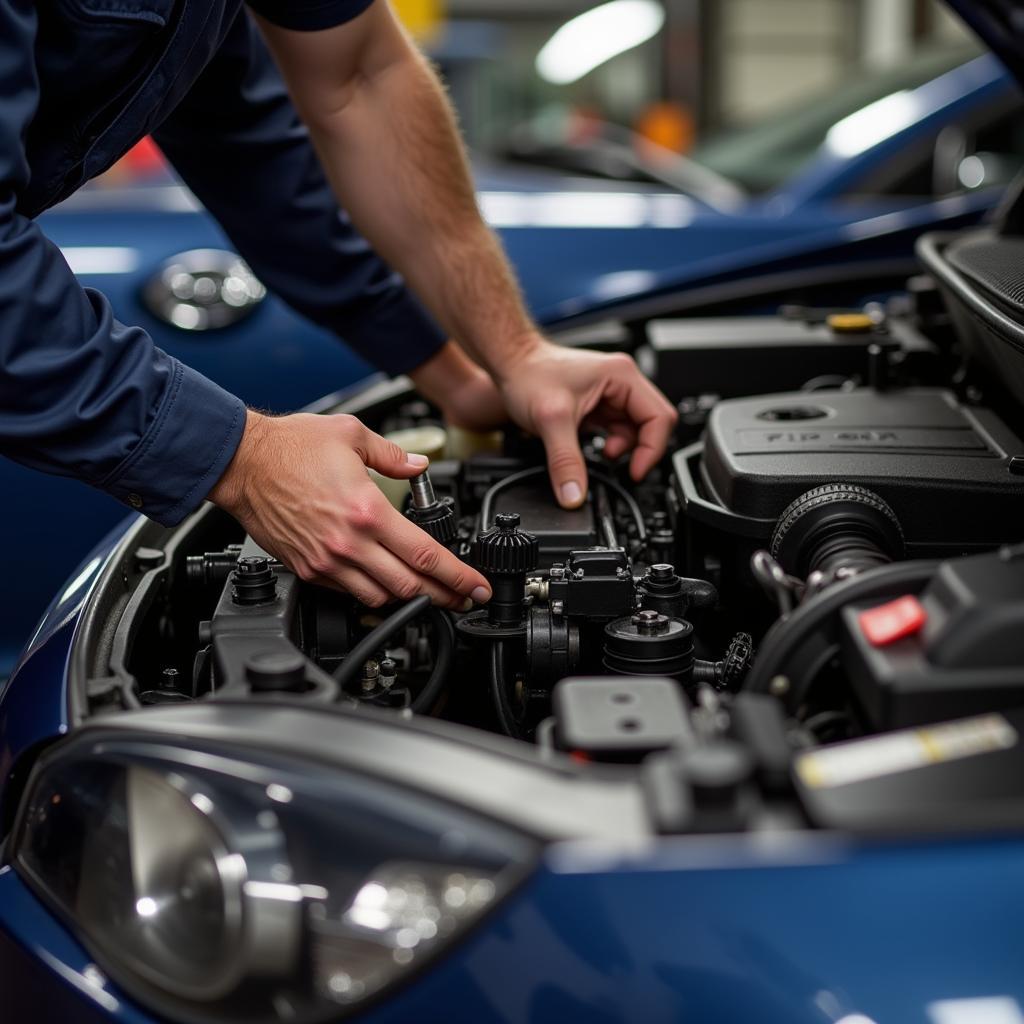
850	323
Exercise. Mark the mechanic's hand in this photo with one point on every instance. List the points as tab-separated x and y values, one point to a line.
299	486
551	391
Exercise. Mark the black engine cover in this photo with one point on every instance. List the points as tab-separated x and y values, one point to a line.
942	467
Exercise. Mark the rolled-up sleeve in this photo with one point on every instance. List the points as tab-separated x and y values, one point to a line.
239	144
82	395
309	15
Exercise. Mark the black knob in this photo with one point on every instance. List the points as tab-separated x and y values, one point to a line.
505	548
505	554
834	527
253	581
271	671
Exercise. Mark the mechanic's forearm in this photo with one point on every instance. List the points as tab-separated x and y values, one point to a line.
396	160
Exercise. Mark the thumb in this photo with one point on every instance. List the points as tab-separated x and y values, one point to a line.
388	458
558	430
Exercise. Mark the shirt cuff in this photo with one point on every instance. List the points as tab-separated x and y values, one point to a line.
184	452
397	335
309	17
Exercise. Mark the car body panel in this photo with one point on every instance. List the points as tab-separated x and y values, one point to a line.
729	929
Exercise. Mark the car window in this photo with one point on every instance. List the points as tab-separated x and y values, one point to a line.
763	156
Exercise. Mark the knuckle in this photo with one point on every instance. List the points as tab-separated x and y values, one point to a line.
393	453
553	408
348	426
363	513
342	547
621	361
371	598
305	572
563	460
425	558
320	564
406	588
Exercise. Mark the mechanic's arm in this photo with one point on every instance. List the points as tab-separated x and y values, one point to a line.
85	397
80	394
389	144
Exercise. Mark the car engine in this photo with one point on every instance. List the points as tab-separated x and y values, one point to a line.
828	554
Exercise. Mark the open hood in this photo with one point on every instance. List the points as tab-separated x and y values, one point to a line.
1000	24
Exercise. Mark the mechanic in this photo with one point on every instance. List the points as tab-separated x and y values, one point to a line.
222	90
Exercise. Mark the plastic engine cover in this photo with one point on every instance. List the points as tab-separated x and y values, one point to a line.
943	468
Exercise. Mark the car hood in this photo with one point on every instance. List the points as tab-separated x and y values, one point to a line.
1000	24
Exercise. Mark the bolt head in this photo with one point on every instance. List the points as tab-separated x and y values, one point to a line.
662	571
507	521
253	564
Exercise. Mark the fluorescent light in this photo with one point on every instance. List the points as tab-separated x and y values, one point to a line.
597	35
872	124
980	1010
585	210
101	259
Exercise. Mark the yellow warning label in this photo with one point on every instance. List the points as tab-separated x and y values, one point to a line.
903	751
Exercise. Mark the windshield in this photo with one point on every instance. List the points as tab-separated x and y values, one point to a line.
761	157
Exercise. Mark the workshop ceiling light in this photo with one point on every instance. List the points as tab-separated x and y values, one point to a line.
597	35
873	124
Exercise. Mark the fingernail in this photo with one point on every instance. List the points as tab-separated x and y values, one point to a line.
466	605
481	595
571	493
419	461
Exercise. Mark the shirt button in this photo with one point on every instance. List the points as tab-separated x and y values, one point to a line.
134	500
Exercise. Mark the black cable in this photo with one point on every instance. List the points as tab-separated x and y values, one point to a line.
378	637
499	690
501	485
510	481
445	643
627	499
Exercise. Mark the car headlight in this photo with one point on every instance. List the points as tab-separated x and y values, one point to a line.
216	887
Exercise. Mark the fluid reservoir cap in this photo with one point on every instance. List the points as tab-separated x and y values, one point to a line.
269	671
253	581
850	323
717	771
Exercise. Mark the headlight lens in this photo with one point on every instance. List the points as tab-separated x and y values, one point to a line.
216	889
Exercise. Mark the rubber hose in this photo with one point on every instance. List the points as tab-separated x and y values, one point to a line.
346	672
791	635
499	690
445	642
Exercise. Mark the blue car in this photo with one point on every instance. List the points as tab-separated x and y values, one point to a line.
742	742
791	189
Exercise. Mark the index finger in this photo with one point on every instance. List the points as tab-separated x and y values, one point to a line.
654	417
421	552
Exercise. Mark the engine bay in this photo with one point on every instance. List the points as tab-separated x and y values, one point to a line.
811	572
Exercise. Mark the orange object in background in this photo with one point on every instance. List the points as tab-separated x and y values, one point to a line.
667	125
423	18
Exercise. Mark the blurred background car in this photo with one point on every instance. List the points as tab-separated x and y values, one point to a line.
675	162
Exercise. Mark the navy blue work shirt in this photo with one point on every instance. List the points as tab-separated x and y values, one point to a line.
81	81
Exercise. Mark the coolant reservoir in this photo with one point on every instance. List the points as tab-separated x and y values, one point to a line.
464	443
